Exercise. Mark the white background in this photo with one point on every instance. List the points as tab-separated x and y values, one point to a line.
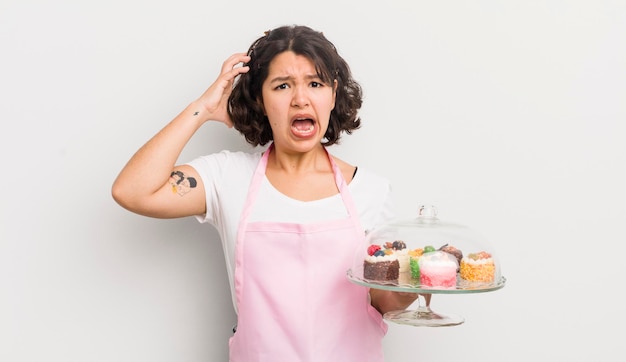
507	115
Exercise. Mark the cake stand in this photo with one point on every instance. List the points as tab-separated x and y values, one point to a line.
419	233
424	316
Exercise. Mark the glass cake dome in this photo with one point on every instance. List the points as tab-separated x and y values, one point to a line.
426	255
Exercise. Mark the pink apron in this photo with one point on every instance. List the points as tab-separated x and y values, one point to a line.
294	301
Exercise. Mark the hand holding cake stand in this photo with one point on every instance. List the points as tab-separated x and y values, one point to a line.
426	256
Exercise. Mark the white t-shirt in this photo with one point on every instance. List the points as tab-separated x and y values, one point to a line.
226	177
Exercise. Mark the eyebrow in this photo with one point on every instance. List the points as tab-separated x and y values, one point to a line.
286	78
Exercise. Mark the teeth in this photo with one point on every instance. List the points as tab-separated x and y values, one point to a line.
303	125
304	129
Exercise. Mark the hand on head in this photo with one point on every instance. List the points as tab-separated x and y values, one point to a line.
215	99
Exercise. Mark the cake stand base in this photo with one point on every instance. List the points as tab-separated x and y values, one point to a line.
423	316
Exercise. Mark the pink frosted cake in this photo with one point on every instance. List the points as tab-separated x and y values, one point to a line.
438	269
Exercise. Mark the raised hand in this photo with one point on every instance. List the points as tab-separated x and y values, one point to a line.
214	100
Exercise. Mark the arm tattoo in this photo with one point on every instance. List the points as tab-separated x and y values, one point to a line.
196	113
181	184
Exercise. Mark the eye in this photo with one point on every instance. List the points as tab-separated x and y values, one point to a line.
281	86
317	84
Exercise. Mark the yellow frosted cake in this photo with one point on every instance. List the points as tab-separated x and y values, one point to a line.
478	267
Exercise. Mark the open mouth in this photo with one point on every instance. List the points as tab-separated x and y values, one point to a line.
303	126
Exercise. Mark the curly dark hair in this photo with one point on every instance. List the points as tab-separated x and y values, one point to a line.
244	103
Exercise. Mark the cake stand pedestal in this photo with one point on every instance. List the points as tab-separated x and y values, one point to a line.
423	316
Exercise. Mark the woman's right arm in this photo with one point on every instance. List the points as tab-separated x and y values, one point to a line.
150	183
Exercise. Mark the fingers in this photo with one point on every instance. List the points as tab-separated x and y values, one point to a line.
215	98
231	68
234	65
233	60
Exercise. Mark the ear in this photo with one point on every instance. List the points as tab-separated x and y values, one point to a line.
335	85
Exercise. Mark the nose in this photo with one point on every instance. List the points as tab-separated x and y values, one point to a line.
300	97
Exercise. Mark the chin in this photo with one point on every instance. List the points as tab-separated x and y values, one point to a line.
301	145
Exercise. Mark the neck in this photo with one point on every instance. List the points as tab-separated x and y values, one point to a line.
292	162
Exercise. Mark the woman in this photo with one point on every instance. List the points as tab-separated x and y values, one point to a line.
290	218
